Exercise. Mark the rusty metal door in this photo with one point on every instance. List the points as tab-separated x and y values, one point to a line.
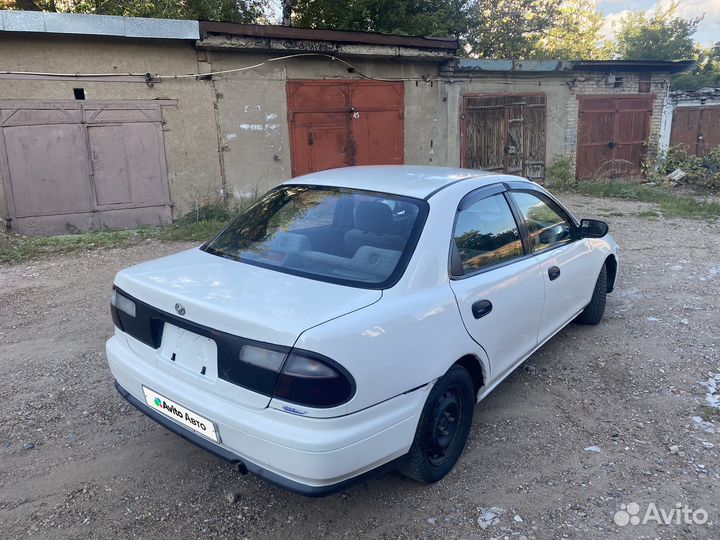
376	123
696	128
504	133
75	166
612	132
341	123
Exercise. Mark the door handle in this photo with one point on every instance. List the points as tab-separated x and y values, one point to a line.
481	308
553	273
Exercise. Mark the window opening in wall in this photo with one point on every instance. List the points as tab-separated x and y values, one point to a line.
644	84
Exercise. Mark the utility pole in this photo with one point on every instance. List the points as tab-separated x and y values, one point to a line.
287	9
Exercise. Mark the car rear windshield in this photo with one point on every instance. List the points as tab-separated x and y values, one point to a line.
345	236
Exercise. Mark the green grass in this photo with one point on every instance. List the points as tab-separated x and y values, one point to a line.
16	249
671	204
709	413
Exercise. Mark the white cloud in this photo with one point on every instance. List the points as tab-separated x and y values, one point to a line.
609	27
709	28
708	31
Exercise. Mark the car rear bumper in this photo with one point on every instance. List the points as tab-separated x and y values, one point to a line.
310	456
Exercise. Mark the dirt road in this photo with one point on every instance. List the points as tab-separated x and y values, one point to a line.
599	417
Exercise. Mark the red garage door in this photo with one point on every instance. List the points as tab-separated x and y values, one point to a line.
696	128
612	131
336	124
79	165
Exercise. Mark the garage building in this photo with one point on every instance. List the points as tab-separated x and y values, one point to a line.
116	122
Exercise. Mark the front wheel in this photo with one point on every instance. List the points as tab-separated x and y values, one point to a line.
443	427
593	312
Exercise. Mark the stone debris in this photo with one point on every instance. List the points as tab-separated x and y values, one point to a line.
711	385
490	517
707	427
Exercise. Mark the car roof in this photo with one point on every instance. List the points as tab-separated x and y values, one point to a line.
407	180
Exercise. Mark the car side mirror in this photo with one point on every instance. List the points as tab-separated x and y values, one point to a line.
593	228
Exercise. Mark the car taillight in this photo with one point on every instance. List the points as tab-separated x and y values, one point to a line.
123	303
314	381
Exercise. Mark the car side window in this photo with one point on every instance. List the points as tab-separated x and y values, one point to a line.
547	226
486	234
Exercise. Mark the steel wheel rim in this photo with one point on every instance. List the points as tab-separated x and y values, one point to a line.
445	425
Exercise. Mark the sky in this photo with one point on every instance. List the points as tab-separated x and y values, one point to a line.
708	30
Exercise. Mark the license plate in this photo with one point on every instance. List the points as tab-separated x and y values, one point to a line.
189	351
186	417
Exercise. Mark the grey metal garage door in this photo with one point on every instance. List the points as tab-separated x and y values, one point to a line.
80	165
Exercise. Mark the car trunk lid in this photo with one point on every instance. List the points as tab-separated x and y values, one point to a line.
196	310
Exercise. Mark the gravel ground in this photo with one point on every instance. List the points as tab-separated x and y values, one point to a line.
599	417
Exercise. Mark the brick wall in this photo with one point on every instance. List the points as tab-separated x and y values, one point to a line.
597	84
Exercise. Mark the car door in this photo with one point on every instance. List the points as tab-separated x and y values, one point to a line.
496	281
564	258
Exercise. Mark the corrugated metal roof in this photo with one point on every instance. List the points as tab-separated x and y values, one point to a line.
554	66
338	36
482	64
98	25
634	65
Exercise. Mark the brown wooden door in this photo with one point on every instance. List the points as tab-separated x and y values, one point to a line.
504	133
341	123
696	128
612	132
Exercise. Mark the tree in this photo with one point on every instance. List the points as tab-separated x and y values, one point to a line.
705	75
575	33
662	36
287	11
486	28
237	11
408	17
508	28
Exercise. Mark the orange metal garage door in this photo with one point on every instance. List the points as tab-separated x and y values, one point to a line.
336	124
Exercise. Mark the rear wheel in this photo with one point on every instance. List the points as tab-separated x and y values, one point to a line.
443	427
593	312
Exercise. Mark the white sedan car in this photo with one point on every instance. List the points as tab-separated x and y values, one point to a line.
349	321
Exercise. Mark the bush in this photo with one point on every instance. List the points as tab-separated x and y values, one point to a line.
702	172
214	211
561	173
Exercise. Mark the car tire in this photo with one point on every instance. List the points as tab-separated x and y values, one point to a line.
443	428
593	312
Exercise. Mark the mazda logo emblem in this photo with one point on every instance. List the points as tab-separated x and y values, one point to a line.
180	309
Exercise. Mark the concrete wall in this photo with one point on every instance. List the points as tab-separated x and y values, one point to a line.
252	111
561	91
231	135
189	129
556	93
